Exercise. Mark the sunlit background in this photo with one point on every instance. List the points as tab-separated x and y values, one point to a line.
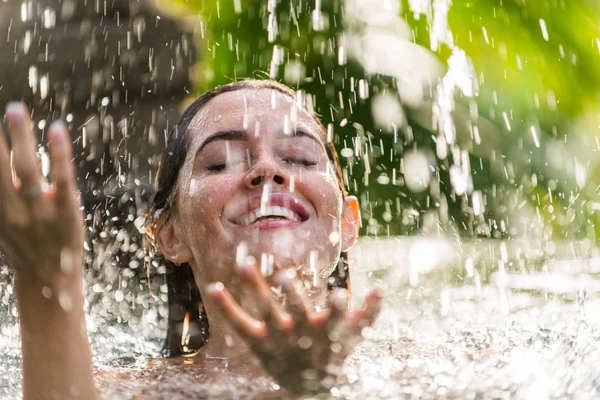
469	130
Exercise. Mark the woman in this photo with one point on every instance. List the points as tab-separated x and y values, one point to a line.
249	198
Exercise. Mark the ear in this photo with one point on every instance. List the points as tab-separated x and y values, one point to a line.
171	245
350	222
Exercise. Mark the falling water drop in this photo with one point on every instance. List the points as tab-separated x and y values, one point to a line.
272	27
478	204
27	42
33	78
347	152
266	264
49	18
313	266
26	10
544	30
460	180
363	89
44	86
265	198
420	7
45	162
417	174
241	254
276	61
237	6
65	302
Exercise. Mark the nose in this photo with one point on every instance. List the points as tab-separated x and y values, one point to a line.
266	169
261	178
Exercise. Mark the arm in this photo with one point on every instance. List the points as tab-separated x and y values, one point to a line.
56	353
41	236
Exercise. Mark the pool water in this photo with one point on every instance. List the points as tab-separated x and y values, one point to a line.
473	320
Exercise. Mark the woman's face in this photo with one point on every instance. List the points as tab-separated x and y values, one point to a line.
257	181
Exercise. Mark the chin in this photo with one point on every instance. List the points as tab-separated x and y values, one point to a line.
281	253
285	245
279	257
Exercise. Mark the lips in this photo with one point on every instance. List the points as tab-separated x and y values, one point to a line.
269	212
281	210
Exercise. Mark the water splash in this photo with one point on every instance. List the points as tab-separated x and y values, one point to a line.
420	7
272	27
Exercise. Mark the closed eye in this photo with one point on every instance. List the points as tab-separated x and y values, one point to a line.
300	161
216	167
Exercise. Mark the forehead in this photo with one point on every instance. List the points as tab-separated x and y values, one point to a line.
245	108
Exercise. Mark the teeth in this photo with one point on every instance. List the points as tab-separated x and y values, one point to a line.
270	211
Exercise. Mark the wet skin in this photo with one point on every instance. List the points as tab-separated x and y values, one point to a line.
239	155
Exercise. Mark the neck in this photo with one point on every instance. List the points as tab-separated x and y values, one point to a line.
223	341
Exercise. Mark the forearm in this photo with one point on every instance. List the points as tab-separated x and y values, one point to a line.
56	353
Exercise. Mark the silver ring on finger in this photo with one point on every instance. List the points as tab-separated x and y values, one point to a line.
31	192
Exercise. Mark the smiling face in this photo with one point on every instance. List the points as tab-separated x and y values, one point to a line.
257	181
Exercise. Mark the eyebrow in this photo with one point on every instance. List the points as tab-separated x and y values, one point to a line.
302	133
243	135
224	135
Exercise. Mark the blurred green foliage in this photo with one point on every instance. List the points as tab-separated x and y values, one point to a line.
536	62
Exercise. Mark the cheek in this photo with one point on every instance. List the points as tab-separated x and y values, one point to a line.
330	194
324	192
207	197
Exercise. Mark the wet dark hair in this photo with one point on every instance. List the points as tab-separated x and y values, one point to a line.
184	300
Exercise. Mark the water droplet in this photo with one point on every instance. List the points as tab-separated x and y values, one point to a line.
478	204
387	111
266	264
459	179
49	18
544	30
417	173
334	237
46	292
44	86
33	78
363	89
64	300
347	152
295	72
241	253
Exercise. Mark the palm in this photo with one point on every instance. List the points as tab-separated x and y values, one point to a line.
32	215
297	345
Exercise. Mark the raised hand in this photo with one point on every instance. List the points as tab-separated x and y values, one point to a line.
297	345
41	226
41	236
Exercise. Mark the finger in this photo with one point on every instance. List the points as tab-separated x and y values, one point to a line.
62	170
337	303
297	303
242	322
23	145
8	195
269	308
366	314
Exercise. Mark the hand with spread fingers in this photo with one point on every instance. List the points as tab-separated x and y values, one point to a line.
297	345
42	227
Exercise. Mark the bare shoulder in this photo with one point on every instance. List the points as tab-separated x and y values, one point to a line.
185	378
